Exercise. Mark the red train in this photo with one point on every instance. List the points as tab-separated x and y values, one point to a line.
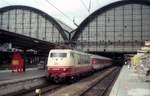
70	64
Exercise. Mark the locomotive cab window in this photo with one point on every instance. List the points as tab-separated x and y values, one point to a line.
58	55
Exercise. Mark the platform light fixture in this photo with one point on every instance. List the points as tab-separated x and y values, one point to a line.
36	41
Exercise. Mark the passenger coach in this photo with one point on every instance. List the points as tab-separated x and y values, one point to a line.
100	62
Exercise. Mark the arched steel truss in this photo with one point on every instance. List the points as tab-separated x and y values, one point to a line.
99	12
47	20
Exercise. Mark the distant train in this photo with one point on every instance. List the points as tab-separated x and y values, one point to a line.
70	64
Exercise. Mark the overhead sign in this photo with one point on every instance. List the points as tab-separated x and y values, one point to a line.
6	47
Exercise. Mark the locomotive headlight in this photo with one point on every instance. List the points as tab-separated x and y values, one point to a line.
38	92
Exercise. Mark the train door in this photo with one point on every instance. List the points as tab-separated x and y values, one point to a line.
72	59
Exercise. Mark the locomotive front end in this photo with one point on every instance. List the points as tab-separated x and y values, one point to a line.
59	66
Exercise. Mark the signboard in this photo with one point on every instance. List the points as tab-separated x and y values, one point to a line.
6	47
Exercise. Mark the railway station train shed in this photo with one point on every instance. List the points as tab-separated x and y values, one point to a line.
32	23
119	27
122	26
116	30
30	30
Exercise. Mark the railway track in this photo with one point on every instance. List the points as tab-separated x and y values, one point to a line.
102	87
43	88
89	86
96	87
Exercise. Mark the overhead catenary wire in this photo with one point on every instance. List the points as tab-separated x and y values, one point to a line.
60	11
84	5
75	22
89	6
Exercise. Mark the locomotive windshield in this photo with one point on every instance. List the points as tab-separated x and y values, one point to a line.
58	55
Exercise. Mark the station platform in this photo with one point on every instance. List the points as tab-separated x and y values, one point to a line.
130	84
7	76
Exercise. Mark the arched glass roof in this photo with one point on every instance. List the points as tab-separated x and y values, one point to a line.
65	10
31	22
121	26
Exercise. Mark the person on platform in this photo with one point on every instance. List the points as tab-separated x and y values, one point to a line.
21	65
129	63
14	62
17	62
